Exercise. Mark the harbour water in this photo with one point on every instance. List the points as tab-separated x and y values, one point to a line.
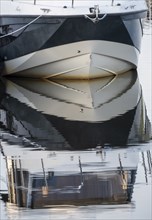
138	208
127	171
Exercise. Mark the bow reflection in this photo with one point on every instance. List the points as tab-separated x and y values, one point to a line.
71	114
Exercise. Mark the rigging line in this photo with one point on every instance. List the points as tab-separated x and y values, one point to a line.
21	27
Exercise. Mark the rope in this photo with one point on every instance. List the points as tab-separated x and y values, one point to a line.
21	27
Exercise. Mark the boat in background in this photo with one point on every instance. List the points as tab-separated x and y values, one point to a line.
70	39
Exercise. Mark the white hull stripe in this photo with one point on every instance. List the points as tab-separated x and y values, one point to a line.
87	59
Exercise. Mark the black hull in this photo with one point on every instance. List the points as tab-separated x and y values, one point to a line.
49	32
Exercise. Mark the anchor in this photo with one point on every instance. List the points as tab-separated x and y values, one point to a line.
96	12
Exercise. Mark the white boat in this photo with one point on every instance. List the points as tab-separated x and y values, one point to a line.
73	39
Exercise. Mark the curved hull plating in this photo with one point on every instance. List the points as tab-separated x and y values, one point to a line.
81	60
70	45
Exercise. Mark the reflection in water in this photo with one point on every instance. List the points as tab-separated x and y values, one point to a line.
42	121
43	178
39	178
65	114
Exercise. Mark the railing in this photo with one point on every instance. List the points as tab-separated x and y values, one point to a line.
34	2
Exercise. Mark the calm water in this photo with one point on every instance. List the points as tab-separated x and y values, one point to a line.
138	208
132	165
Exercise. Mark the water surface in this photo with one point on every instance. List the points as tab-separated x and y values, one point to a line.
28	142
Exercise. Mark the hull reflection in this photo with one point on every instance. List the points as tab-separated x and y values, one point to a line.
41	179
65	114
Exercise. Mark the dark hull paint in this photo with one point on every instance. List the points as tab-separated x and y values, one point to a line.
49	32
